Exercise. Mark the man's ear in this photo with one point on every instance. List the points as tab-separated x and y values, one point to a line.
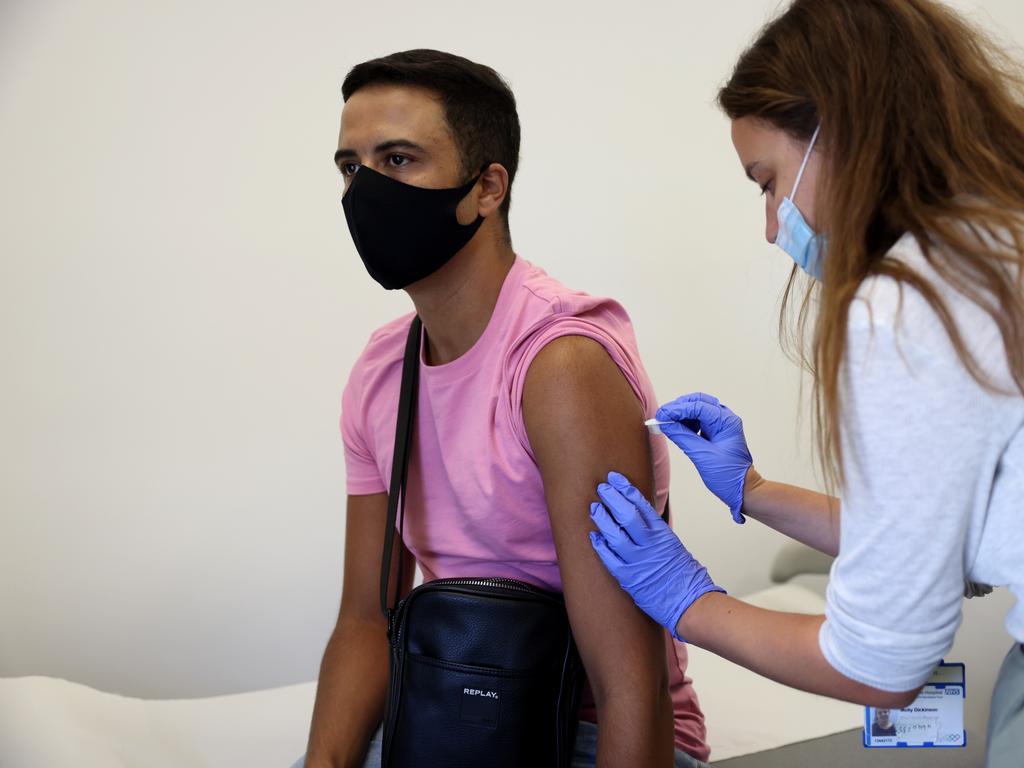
493	188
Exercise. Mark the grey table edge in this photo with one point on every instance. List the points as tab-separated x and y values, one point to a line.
847	750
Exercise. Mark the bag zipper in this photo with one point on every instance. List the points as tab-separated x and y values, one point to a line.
481	582
394	619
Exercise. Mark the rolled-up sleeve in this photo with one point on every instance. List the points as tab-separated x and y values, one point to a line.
913	443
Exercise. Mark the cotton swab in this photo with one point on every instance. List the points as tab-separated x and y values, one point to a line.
655	426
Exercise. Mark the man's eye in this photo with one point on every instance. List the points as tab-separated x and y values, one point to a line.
397	161
348	169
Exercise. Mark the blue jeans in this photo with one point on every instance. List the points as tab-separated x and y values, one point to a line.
585	755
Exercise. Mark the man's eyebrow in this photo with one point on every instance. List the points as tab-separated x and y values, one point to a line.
343	154
387	146
750	171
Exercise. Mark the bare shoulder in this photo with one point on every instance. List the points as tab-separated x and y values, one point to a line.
575	375
576	395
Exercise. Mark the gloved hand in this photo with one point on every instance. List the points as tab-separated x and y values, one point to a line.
719	452
644	554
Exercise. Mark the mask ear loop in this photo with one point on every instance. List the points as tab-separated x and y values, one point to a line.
480	173
803	165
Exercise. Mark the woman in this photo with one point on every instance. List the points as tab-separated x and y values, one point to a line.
886	136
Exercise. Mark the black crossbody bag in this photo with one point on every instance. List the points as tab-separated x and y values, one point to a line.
484	671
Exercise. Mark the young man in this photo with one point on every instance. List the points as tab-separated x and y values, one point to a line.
529	394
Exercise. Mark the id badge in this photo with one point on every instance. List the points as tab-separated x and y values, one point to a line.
935	719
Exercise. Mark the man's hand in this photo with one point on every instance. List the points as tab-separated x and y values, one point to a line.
644	554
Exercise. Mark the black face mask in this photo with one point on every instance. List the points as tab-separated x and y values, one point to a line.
404	233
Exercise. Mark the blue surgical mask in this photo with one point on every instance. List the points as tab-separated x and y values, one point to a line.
795	236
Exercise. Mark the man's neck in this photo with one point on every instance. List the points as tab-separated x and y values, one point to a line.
457	301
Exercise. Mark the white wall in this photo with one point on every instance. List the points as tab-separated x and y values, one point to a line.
180	301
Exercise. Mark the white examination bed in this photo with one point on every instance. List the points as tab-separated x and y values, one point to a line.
51	723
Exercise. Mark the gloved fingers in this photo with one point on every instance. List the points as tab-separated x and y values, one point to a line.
611	560
647	517
625	511
730	417
709	415
706	412
696	396
684	435
608	525
691	424
683	402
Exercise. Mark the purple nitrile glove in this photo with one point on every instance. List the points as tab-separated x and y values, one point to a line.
644	554
719	452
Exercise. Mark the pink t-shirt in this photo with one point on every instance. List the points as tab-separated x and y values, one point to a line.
475	504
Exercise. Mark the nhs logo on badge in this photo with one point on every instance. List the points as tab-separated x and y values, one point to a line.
480	706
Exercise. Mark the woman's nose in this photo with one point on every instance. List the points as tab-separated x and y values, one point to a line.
771	224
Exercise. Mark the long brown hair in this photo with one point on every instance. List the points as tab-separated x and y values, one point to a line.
921	118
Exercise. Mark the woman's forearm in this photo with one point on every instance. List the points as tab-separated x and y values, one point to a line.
780	646
807	516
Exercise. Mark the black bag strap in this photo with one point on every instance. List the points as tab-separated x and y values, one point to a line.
400	458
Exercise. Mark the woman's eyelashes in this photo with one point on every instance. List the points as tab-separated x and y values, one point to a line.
767	188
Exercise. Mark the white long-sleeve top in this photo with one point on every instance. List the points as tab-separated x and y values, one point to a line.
933	494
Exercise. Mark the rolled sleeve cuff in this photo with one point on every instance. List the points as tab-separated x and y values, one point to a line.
892	664
364	486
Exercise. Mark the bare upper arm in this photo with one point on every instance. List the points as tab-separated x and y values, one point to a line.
583	420
366	518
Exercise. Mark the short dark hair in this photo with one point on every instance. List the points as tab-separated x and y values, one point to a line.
478	104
